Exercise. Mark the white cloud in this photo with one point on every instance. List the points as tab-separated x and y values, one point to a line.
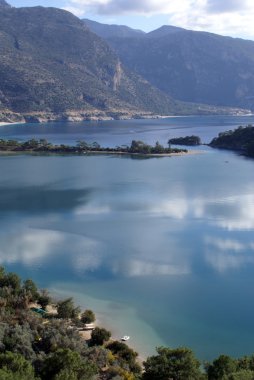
229	17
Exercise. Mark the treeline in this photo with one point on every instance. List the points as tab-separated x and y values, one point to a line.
47	345
43	146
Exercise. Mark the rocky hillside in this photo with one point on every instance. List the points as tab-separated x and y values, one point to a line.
52	66
4	4
191	66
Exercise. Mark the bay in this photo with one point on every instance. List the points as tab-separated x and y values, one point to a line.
162	249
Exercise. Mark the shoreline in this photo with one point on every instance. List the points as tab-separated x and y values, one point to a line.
102	153
39	119
120	319
43	147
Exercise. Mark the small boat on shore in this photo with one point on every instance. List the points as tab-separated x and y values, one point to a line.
125	338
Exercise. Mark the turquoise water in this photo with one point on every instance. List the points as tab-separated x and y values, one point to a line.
162	249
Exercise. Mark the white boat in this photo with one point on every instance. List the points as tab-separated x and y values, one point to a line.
125	337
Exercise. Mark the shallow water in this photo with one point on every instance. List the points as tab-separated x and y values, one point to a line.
162	249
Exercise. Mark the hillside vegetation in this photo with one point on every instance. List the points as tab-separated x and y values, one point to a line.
42	340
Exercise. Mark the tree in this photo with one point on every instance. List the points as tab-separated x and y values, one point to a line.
88	316
19	339
220	367
240	375
64	363
139	147
175	364
158	148
44	299
15	367
11	280
125	355
83	145
30	287
56	335
99	336
66	309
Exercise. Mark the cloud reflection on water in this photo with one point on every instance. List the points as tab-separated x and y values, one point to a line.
29	247
141	248
32	247
137	268
226	254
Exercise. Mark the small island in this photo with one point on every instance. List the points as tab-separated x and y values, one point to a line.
240	139
187	140
82	147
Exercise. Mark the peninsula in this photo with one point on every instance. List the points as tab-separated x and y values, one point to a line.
82	147
240	140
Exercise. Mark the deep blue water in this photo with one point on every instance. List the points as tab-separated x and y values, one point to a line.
161	248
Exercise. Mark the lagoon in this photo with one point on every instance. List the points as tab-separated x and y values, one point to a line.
161	248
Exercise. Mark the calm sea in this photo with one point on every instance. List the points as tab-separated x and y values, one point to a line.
162	249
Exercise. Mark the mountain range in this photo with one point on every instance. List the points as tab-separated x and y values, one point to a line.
188	65
54	67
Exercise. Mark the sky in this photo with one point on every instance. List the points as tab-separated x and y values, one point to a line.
227	17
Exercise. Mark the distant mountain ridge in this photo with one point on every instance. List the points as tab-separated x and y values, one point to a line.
104	30
52	67
191	66
50	63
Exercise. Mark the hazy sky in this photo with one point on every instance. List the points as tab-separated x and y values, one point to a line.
228	17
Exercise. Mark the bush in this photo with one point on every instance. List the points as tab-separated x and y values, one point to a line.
66	309
99	336
88	316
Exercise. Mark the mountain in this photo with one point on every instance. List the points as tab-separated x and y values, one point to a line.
164	31
52	65
192	66
107	31
4	4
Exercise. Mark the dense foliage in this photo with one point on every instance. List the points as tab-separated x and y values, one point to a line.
187	140
36	345
241	139
46	346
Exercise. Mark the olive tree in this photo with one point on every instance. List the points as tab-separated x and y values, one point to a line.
175	364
